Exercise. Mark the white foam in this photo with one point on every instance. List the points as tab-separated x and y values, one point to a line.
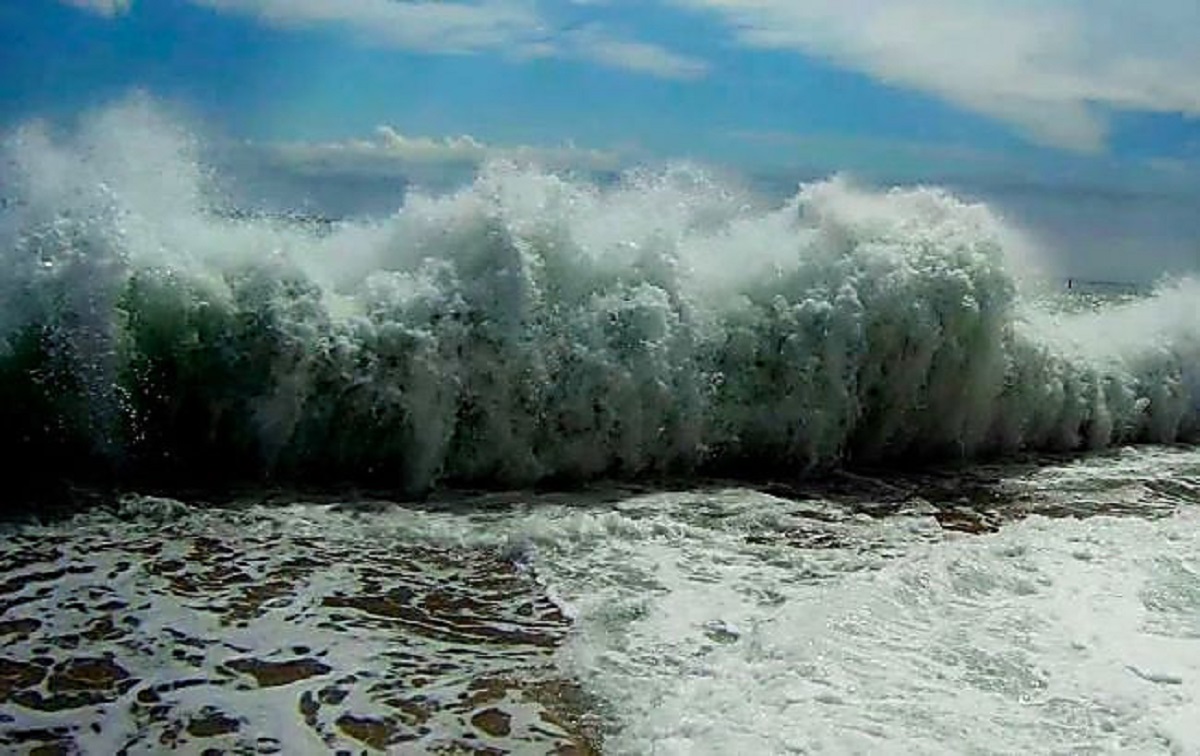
530	326
1051	635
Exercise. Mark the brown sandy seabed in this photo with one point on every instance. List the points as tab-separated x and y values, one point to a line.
162	636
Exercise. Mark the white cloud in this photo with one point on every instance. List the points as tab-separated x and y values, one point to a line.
391	143
512	27
1052	68
102	7
423	25
640	57
391	152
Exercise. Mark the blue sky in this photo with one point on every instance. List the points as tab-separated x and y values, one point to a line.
1092	91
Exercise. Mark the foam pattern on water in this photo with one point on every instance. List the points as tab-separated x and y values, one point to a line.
267	631
732	621
1042	607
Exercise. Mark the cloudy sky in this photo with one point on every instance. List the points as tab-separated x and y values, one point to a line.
1091	91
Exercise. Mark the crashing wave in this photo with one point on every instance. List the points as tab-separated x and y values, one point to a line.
534	328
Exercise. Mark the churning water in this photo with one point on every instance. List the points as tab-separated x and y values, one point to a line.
530	328
537	330
1043	607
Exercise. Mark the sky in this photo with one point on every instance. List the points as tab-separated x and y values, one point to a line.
1098	94
1082	87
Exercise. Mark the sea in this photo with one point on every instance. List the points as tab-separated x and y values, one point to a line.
545	464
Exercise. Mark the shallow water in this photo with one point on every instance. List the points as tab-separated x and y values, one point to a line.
1052	606
271	630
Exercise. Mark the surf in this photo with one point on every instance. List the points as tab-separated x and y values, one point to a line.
532	327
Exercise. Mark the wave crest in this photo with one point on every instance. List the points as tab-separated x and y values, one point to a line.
531	328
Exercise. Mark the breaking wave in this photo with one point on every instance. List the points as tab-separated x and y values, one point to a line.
531	327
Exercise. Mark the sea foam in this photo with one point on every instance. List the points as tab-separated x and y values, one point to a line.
533	327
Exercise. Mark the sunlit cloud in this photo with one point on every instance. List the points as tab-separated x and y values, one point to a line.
389	151
426	26
515	28
639	57
1054	69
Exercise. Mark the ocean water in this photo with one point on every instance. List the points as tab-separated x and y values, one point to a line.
838	474
1051	606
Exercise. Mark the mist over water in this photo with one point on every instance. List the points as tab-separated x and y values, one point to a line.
531	327
1122	236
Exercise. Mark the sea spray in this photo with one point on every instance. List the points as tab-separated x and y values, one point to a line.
530	327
